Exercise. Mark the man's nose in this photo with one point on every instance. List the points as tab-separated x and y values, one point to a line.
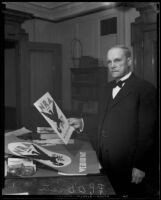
113	65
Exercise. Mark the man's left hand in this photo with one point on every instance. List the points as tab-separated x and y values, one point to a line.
137	175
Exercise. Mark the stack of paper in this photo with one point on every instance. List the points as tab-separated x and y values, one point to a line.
47	133
18	132
45	130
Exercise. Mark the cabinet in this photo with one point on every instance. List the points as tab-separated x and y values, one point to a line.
86	89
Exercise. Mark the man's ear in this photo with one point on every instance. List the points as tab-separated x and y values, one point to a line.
129	60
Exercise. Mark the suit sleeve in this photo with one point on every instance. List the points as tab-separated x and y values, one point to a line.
147	120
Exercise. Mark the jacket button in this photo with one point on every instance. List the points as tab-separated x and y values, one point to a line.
103	131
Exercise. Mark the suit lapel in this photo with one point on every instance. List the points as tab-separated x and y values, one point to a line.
125	91
106	102
108	97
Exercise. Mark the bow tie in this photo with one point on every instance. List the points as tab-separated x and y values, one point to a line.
119	83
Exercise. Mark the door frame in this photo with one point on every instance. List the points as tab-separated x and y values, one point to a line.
25	105
14	32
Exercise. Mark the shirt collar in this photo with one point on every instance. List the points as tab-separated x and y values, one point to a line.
126	76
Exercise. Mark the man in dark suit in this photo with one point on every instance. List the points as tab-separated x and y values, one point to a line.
127	127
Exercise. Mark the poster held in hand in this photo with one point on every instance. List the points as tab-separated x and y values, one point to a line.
54	116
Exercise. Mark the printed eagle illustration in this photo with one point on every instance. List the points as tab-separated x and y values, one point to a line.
54	116
56	160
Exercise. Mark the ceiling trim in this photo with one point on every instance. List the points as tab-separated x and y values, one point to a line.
49	5
61	13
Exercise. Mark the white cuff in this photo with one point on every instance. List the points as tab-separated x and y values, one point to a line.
82	127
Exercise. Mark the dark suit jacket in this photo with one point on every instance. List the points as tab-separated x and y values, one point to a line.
127	126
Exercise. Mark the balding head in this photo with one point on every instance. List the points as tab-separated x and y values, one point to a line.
124	48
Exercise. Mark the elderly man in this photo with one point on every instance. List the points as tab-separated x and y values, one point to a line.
127	126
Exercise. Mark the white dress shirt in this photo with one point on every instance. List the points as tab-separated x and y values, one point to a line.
117	88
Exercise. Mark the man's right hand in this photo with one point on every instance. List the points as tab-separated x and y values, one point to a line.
77	123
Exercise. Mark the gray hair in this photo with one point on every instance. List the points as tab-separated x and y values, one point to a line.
124	48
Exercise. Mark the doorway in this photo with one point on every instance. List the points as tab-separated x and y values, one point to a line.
10	85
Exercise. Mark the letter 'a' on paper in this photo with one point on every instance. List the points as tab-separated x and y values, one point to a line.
54	116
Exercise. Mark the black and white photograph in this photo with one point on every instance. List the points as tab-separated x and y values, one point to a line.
81	105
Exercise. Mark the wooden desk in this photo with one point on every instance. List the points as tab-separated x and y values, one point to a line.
61	185
54	184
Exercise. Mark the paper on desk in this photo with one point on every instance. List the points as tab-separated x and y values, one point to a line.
77	158
71	174
46	136
21	193
46	130
18	132
50	142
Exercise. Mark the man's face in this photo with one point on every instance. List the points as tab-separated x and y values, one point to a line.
118	63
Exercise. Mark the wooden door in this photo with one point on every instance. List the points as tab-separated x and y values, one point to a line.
39	72
10	85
